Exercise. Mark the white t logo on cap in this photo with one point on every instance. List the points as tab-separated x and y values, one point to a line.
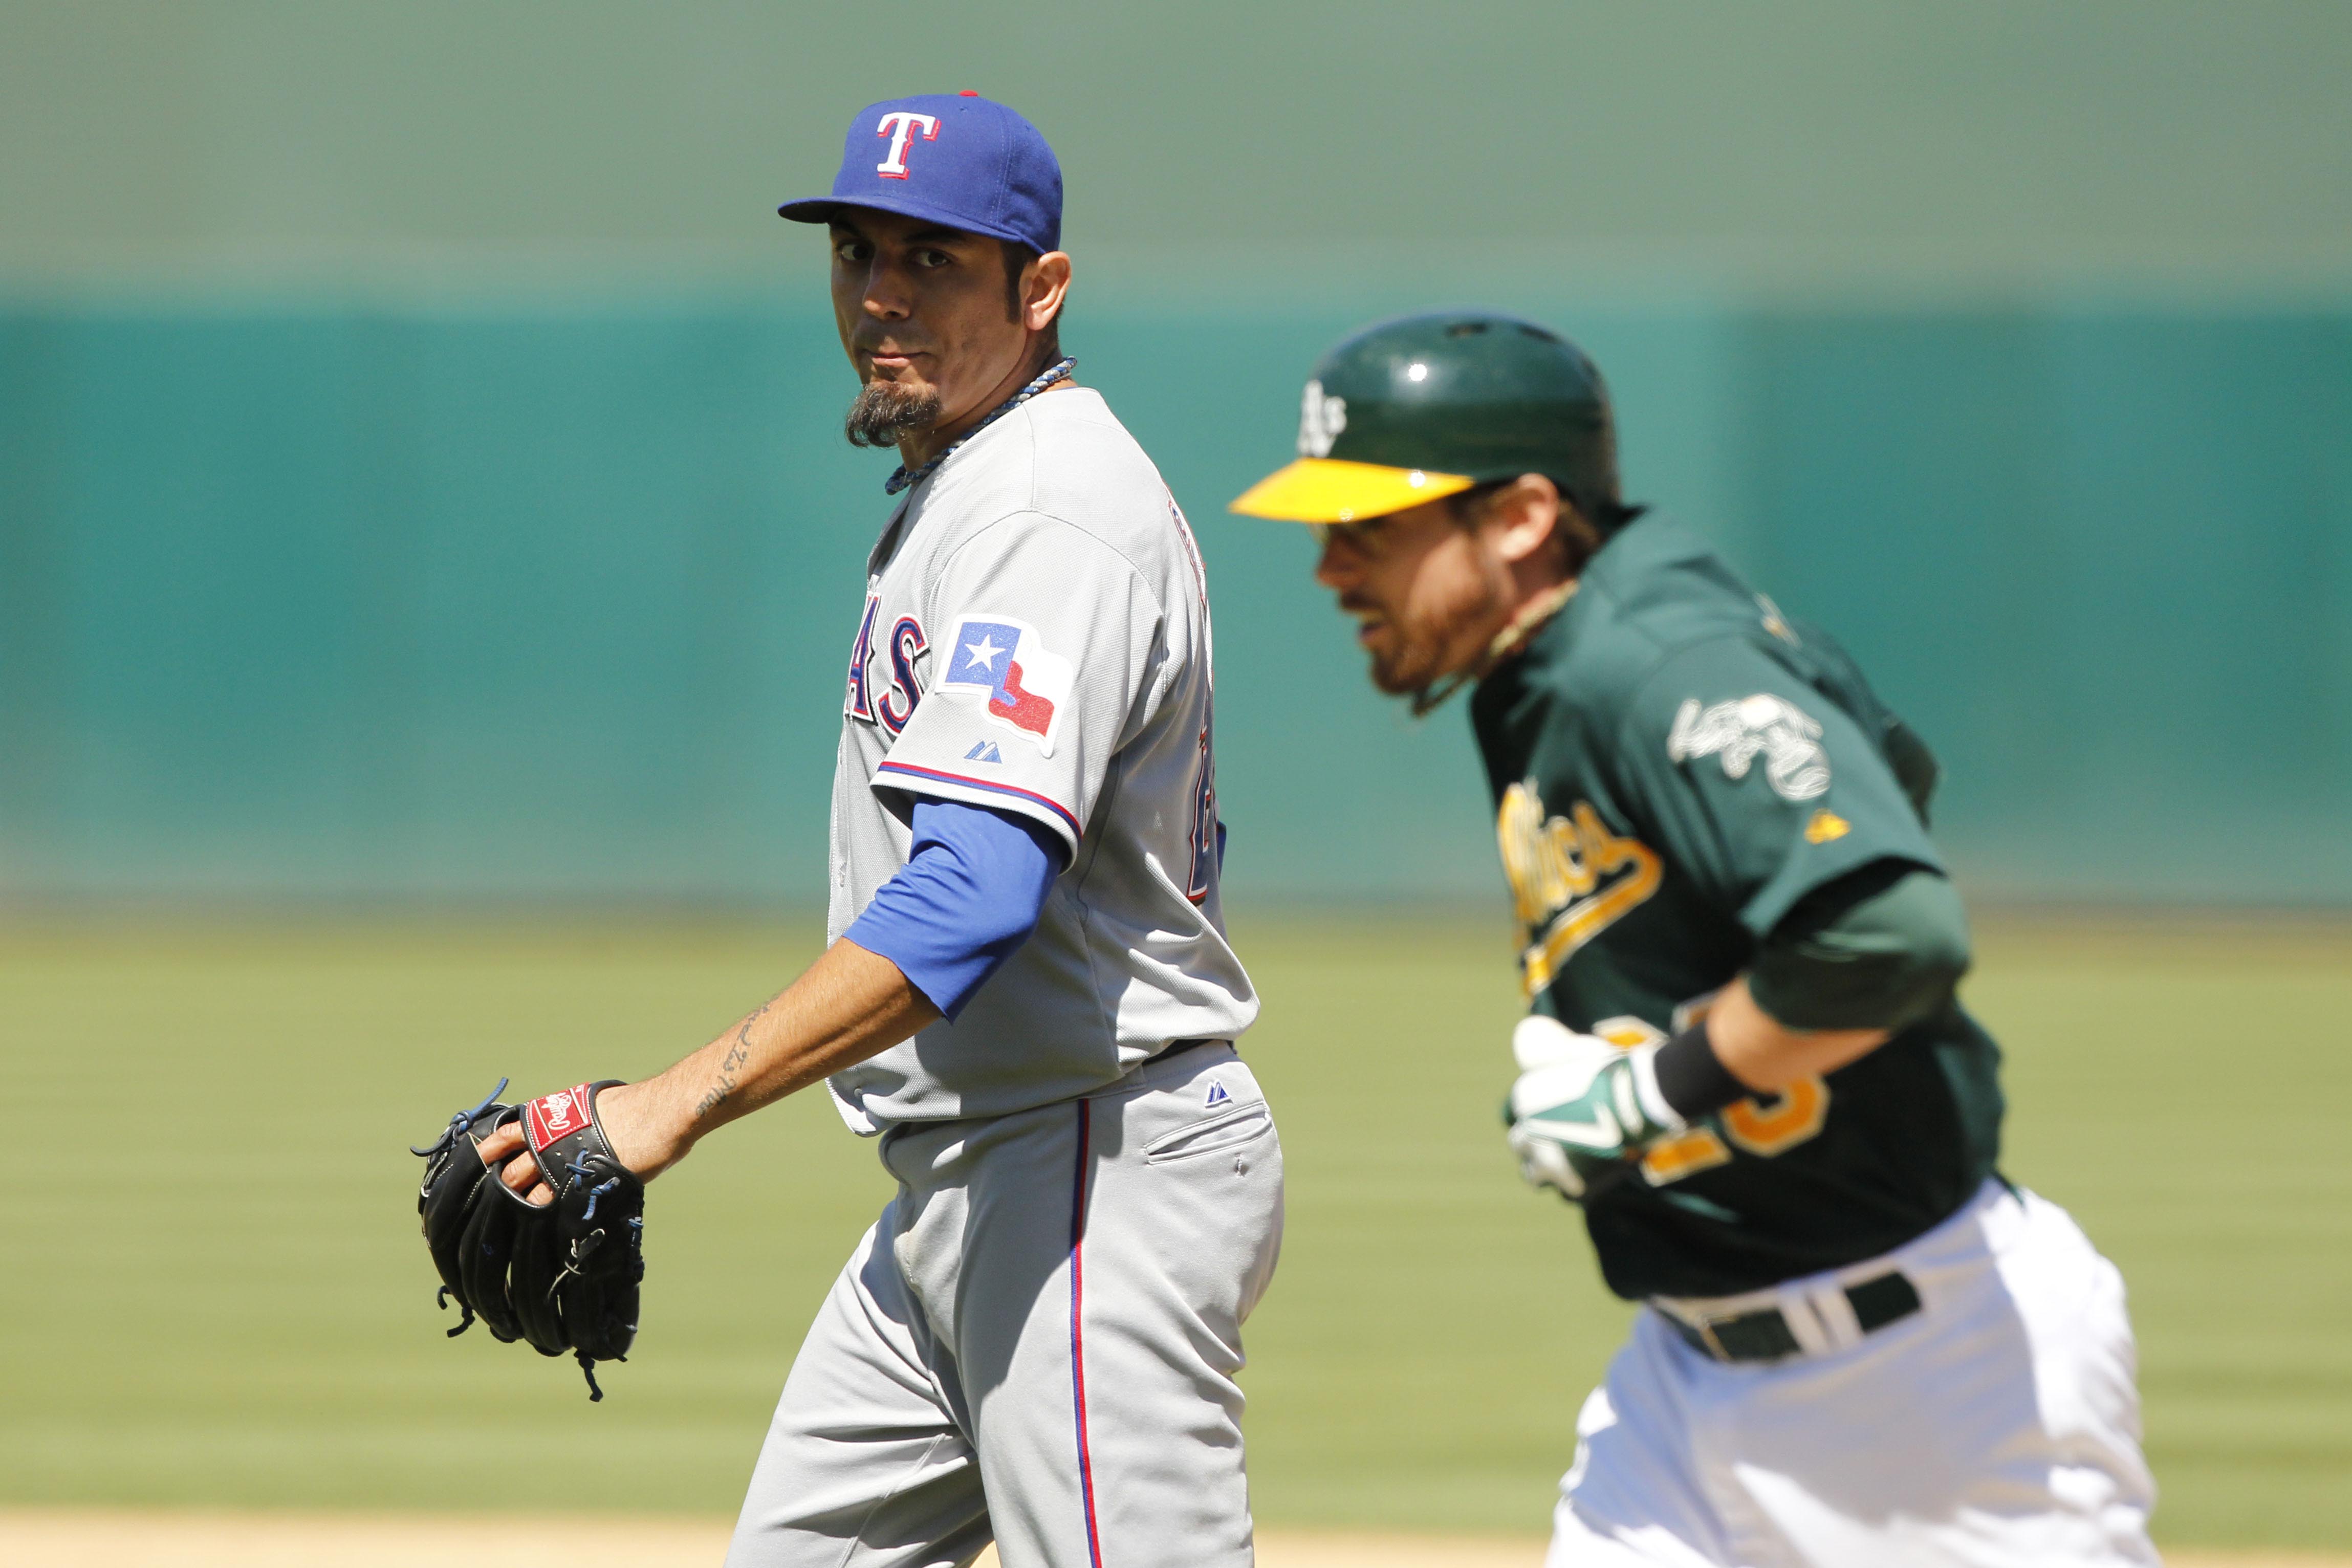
900	126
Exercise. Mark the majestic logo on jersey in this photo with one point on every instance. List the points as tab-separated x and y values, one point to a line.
900	126
1776	623
1320	420
984	751
1789	739
1571	879
1005	663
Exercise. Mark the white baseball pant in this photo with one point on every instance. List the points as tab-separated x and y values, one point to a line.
1996	1428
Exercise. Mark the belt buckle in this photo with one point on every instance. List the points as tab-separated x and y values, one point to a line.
1704	1328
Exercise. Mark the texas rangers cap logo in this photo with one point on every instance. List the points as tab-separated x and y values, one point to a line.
1004	663
899	127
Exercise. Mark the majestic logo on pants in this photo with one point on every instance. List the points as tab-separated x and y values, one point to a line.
1005	662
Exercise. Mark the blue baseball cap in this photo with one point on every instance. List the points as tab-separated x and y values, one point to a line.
952	157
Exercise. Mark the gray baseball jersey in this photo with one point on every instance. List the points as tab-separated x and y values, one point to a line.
1036	639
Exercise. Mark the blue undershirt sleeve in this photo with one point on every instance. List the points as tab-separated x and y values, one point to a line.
969	896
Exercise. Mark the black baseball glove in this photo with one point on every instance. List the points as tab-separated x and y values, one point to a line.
562	1277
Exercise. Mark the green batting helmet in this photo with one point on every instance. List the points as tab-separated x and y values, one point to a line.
1429	406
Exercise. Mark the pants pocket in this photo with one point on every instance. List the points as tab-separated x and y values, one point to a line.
1226	1129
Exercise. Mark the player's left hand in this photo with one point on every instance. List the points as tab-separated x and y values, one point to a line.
560	1270
1582	1110
630	1125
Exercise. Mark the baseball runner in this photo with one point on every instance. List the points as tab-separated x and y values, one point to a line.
1030	1002
1743	1056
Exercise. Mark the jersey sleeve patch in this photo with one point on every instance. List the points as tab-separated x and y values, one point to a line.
1785	735
1001	663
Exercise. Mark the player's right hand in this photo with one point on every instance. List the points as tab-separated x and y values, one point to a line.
1572	1124
1545	1042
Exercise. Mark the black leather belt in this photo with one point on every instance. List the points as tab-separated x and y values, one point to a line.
1765	1336
1176	1048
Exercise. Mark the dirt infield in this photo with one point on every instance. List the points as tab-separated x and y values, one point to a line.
66	1538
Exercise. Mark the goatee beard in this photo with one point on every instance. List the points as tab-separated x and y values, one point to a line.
1418	667
883	411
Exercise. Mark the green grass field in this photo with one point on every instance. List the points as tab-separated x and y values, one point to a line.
215	1293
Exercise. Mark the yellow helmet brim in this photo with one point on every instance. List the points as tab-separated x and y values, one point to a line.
1327	490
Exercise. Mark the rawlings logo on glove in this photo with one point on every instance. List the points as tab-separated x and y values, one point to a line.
553	1115
1583	1111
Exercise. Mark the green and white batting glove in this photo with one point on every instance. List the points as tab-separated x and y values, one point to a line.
1582	1110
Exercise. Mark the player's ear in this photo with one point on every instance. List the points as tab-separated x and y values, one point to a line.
1044	283
1523	517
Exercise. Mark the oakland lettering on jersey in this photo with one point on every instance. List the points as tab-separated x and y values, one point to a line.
1571	879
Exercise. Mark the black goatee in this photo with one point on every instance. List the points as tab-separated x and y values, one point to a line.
883	411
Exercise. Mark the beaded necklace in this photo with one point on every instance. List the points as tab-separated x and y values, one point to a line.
902	480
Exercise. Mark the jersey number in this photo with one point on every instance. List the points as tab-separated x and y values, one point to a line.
1762	1125
1206	838
1203	836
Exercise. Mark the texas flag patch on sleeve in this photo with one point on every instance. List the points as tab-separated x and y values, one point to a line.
1003	664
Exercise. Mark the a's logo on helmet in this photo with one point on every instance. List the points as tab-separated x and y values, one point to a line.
1320	420
900	126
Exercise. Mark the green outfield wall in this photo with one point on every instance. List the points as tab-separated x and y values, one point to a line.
509	599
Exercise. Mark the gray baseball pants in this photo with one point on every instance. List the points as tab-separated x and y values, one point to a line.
1036	1342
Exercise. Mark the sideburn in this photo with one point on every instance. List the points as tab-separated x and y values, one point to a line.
1464	634
1579	541
1017	257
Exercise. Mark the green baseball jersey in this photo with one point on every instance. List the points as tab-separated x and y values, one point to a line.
1674	766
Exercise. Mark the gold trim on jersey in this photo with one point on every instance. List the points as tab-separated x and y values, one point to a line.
1571	879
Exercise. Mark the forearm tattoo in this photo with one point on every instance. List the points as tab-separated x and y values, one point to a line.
730	1065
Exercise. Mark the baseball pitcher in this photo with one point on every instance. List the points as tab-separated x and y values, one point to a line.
1743	1058
1029	1002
